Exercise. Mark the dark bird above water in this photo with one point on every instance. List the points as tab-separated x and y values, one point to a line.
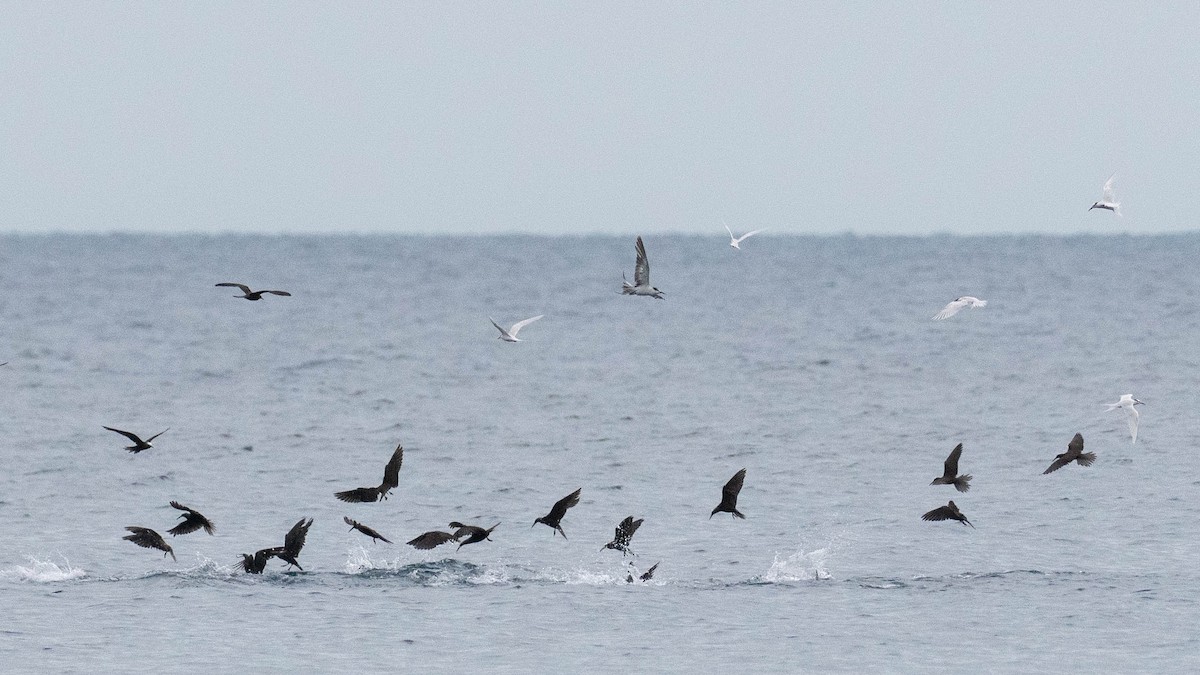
645	577
355	525
948	512
1074	453
391	478
249	294
473	533
432	539
257	563
138	444
293	541
558	511
623	534
192	521
148	538
950	477
729	496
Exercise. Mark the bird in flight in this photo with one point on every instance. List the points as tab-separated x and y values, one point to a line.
1109	200
729	496
558	511
431	539
950	472
948	512
1127	402
192	521
735	241
249	294
138	444
1074	453
641	276
293	541
957	305
148	538
510	335
355	525
623	534
645	577
473	533
391	478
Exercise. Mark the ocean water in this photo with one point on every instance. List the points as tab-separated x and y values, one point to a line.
811	362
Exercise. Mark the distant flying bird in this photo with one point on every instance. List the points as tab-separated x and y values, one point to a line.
473	533
735	241
623	534
431	539
729	496
510	335
1109	200
950	472
558	511
293	541
1074	453
957	305
1127	402
192	521
391	478
948	512
138	444
249	294
645	577
355	525
148	538
641	276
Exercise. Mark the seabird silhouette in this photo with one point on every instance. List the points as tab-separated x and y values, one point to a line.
192	521
735	242
293	541
559	510
729	496
957	305
474	534
249	294
138	444
645	577
948	512
1128	402
391	478
510	335
623	534
1074	453
148	538
950	477
355	525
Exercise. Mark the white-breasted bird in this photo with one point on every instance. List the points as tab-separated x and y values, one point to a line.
735	241
1109	200
641	276
958	304
1127	402
510	335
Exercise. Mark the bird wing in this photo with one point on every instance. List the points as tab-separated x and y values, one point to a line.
749	234
1076	445
1059	462
729	493
278	293
641	273
950	309
127	434
940	513
294	540
244	287
147	538
391	472
561	506
731	237
626	529
358	495
650	572
951	465
431	540
1109	195
157	435
188	526
516	327
498	327
1132	417
181	507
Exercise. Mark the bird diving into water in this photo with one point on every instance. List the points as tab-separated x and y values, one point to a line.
1109	200
734	242
729	496
138	444
293	541
1074	453
192	520
558	511
950	472
1127	402
623	534
249	294
645	577
391	478
473	533
957	305
355	525
148	538
948	512
641	276
510	335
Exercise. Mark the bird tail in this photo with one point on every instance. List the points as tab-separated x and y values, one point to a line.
1087	458
738	514
626	287
963	483
1117	209
1113	406
981	303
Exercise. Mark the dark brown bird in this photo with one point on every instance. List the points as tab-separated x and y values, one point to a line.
391	478
293	541
645	577
148	538
192	521
949	476
138	444
257	563
948	512
729	495
473	533
1074	453
249	294
432	539
560	509
623	534
355	525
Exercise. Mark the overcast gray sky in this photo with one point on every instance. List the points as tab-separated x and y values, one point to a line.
555	117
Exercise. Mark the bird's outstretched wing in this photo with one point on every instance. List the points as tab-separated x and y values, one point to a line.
294	540
641	273
516	327
729	493
749	234
499	327
158	434
278	293
1109	193
951	309
561	506
1131	414
127	434
358	495
951	465
244	288
431	539
940	513
391	472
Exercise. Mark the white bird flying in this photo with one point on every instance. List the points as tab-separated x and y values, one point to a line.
1109	200
734	241
954	307
641	276
1127	402
510	335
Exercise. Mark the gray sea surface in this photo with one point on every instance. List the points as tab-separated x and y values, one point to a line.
811	362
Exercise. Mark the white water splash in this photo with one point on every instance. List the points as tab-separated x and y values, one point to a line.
799	566
42	571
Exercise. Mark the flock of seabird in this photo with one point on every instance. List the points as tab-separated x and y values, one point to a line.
465	534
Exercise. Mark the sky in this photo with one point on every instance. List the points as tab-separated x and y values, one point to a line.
580	118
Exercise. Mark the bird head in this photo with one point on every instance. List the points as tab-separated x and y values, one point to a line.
536	521
1137	402
714	512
